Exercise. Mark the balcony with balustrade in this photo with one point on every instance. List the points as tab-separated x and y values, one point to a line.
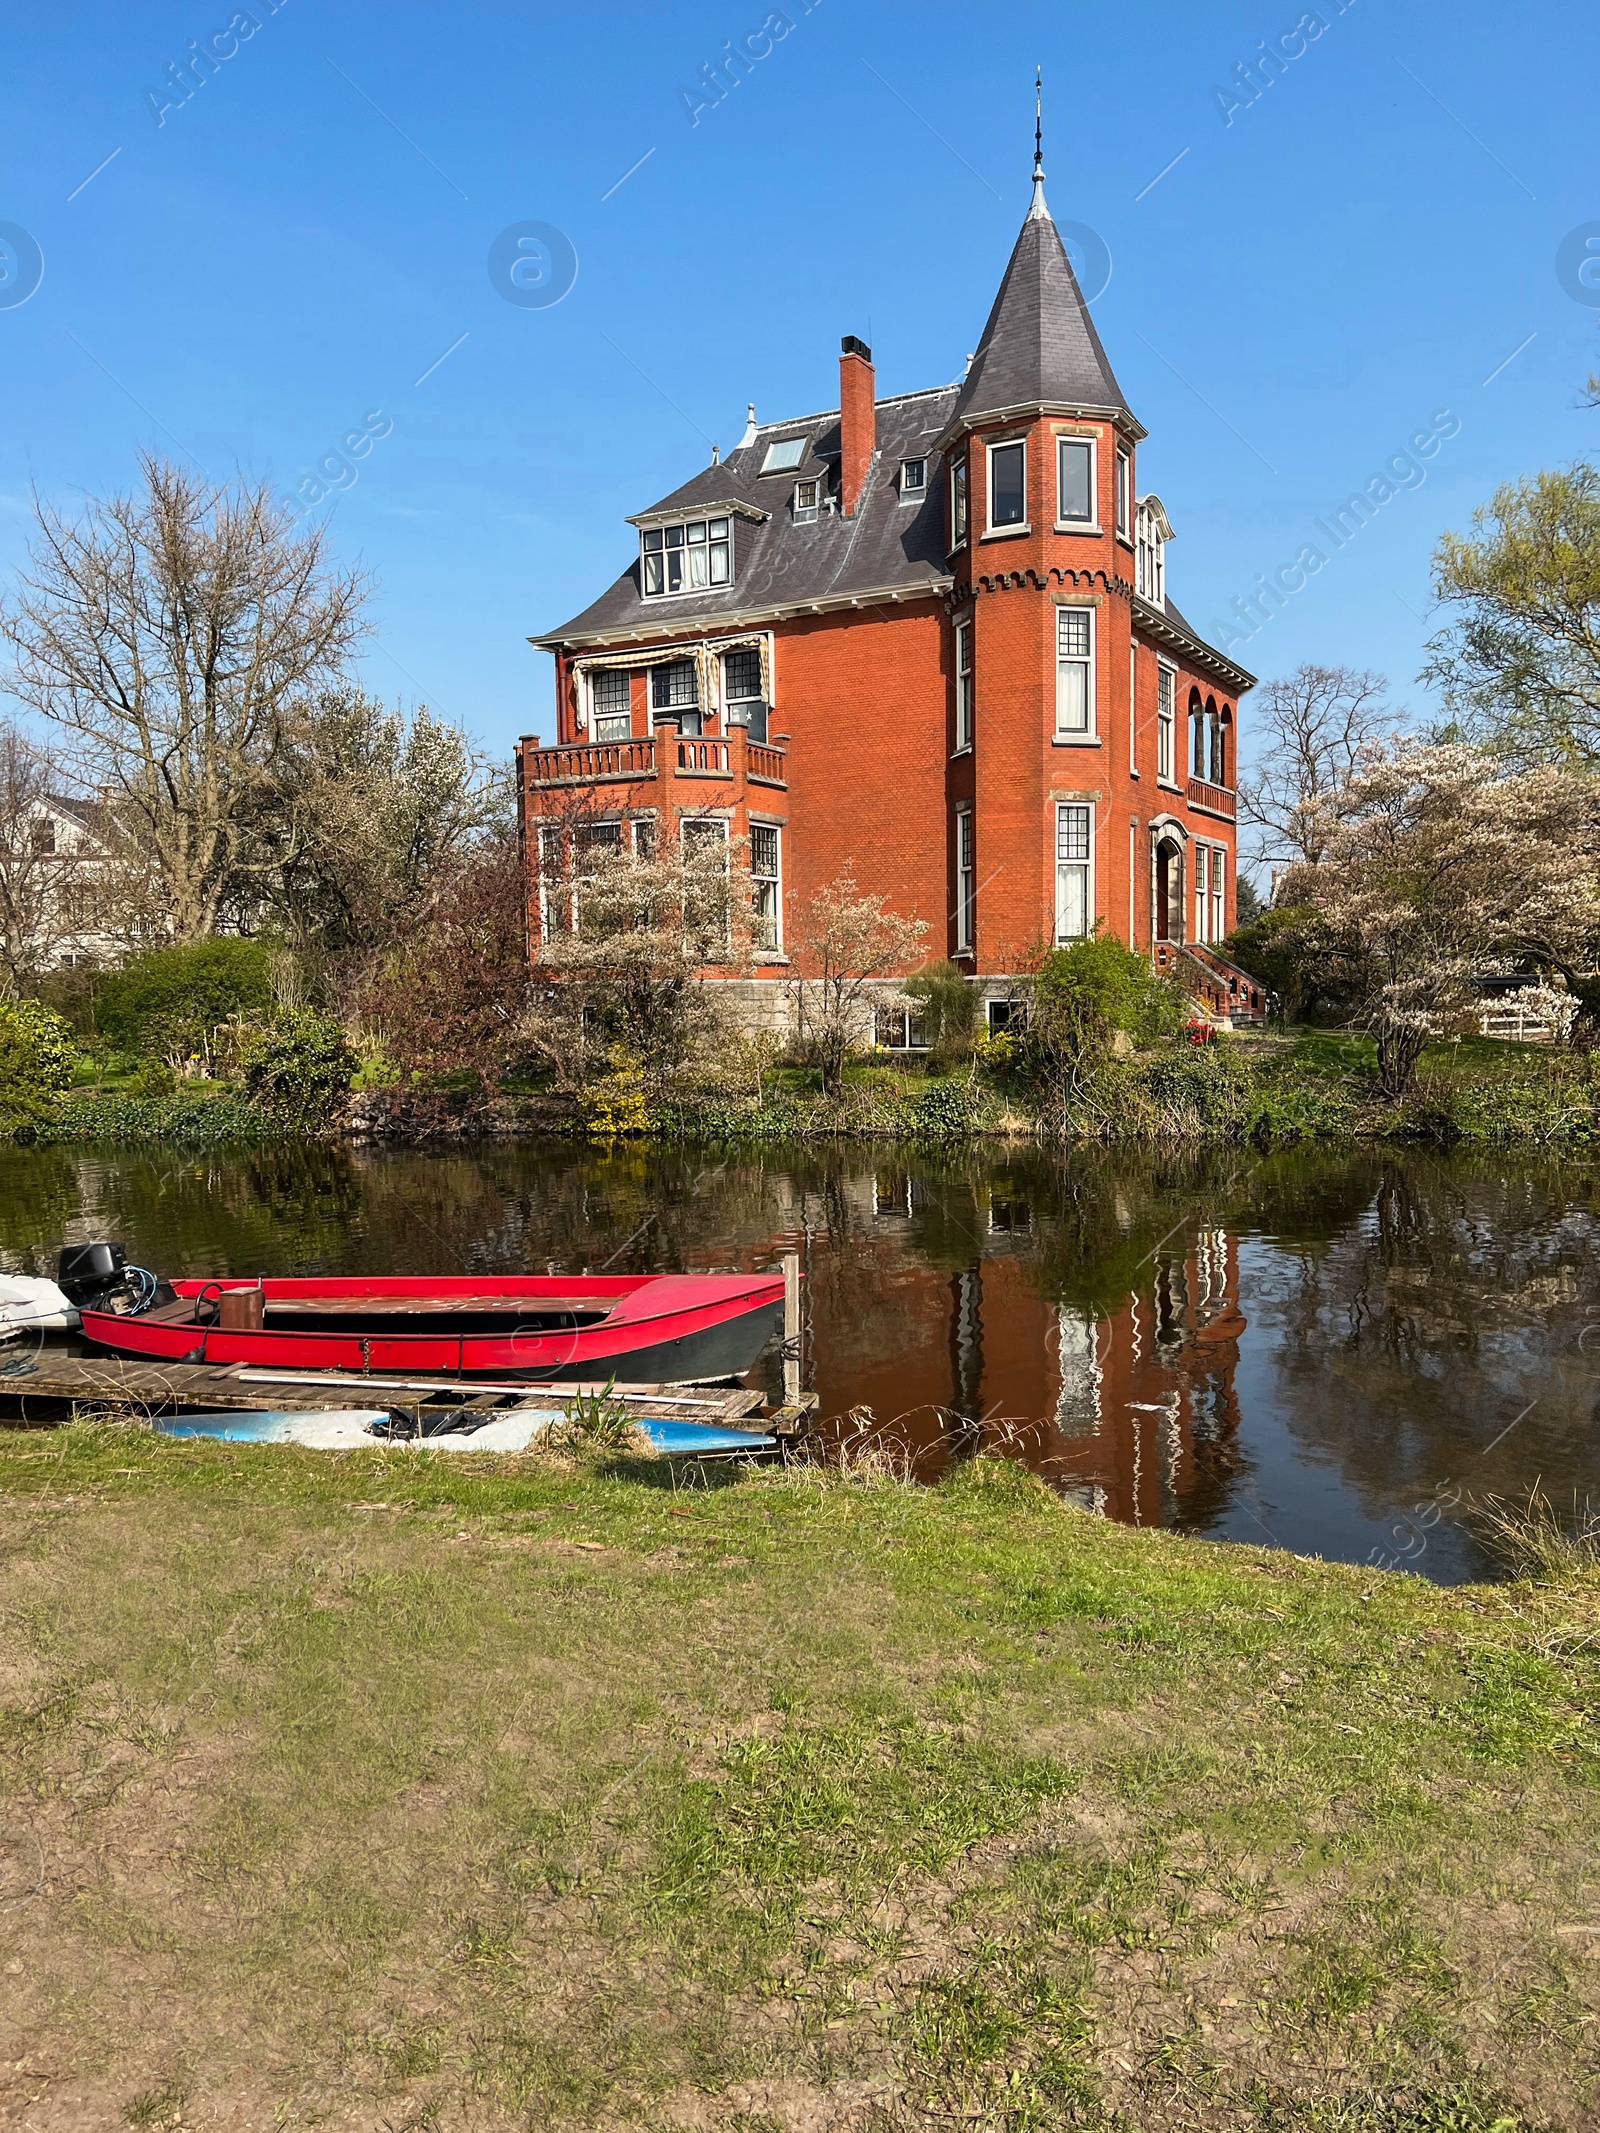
668	776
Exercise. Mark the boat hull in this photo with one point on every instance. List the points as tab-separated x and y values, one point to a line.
634	1329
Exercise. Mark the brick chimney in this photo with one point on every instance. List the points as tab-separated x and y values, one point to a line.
858	420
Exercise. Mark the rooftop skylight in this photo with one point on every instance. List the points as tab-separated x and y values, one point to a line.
784	454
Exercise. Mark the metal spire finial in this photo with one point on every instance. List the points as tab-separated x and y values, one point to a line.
1038	207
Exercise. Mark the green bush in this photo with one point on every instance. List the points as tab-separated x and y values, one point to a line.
949	1009
1083	994
1291	952
118	1120
38	1058
173	997
299	1073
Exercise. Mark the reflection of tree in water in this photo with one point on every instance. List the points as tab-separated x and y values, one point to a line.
1409	1335
38	1198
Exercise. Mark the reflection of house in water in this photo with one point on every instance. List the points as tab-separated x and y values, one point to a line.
1146	1414
1132	1411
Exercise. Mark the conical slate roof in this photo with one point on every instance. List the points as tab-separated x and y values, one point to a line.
1040	344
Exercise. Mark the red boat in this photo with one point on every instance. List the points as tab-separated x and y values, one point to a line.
637	1328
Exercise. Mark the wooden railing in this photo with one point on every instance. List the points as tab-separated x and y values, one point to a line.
588	762
1215	799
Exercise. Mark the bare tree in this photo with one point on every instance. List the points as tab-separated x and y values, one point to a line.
32	912
168	632
1312	728
370	813
848	944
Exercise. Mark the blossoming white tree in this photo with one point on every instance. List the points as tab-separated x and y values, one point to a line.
1437	860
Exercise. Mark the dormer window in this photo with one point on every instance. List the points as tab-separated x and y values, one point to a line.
784	454
1151	535
687	558
913	477
807	502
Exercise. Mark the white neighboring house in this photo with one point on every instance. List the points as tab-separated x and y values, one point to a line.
58	882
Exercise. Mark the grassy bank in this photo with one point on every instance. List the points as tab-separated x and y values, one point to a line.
379	1790
1244	1090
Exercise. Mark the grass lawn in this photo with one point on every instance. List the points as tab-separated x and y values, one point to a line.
390	1791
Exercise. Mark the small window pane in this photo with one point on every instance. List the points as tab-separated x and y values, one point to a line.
1006	485
718	528
696	532
697	568
1072	833
1072	628
674	536
742	678
719	562
652	539
652	574
674	571
674	685
1077	494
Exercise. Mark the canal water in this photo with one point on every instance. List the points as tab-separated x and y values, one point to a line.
1334	1352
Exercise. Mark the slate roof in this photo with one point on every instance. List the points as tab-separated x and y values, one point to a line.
887	546
1039	344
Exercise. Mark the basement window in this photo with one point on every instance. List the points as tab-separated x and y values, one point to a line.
784	455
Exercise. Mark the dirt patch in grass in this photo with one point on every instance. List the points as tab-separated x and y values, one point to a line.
314	1812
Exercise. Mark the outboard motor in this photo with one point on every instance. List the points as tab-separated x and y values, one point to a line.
91	1274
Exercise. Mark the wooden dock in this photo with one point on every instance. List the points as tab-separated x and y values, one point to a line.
48	1386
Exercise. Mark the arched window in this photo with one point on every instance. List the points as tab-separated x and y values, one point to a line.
1197	735
1222	749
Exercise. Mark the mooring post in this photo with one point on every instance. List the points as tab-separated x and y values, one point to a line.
790	1263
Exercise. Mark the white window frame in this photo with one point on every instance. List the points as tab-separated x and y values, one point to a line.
1150	549
959	503
1006	444
793	451
807	514
1202	892
964	687
1091	524
898	1029
966	883
911	491
592	680
1133	708
1219	893
692	828
774	946
1122	503
736	709
1083	867
1166	720
685	548
1088	731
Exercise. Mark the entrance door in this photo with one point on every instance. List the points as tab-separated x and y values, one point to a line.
1169	891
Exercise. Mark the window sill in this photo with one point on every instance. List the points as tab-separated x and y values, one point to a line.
1075	740
964	749
769	959
1125	540
1167	785
1073	526
1006	533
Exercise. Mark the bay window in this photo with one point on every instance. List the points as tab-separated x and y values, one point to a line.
1075	504
1075	673
1074	870
1008	484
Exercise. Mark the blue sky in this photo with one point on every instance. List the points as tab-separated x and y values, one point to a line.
304	243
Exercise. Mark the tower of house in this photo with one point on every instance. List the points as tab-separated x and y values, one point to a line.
926	639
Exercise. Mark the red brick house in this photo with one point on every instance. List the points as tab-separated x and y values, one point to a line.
928	636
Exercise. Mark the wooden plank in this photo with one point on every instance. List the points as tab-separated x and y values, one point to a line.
85	1380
